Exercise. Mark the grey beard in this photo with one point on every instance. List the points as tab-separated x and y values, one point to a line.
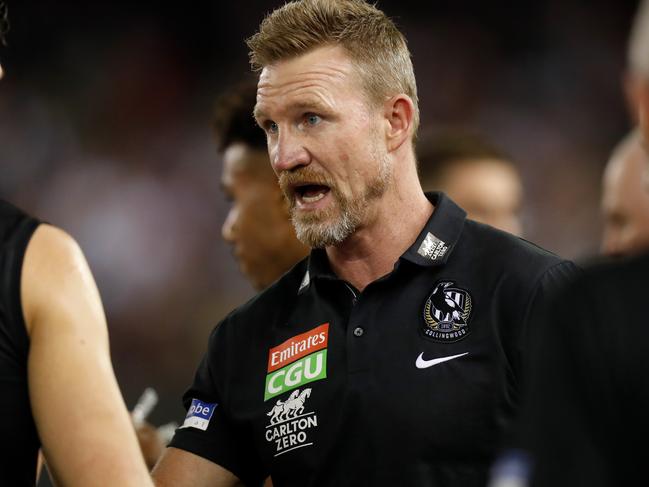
324	234
320	232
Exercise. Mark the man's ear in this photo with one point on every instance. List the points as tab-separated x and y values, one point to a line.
642	106
399	112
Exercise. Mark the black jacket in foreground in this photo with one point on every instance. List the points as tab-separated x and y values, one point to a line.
588	415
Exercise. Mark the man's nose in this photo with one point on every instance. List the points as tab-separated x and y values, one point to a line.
289	151
229	225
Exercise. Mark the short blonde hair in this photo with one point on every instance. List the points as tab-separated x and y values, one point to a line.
373	42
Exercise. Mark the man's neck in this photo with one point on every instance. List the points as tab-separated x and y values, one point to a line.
373	250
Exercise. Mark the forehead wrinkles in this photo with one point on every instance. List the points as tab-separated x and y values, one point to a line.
318	82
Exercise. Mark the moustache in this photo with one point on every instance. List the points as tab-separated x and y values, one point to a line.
289	180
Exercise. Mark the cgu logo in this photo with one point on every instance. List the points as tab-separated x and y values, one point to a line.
307	369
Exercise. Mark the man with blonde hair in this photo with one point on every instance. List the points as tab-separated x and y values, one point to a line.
393	354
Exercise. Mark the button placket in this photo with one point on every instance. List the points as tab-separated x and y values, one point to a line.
358	340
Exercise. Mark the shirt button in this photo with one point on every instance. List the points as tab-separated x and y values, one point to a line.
358	331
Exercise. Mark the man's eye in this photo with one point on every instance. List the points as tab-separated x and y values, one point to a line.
312	119
272	127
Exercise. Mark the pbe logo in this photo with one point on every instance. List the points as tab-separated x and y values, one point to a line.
289	423
447	312
199	415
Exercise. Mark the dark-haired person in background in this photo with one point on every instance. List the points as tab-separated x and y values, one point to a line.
57	386
258	224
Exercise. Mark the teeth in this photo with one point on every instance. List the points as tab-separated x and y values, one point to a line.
313	199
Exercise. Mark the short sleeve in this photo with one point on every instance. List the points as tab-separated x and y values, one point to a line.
209	429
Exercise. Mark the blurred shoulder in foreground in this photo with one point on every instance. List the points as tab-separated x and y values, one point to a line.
56	353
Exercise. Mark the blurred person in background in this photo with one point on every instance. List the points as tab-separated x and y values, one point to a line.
475	174
400	336
586	409
625	201
58	389
258	223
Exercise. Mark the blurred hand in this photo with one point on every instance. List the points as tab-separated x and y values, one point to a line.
151	442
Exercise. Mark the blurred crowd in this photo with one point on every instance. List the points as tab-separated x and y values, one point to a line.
106	131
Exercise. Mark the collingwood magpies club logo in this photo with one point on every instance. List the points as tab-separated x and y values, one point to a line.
447	312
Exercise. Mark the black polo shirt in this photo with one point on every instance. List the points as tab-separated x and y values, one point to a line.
412	382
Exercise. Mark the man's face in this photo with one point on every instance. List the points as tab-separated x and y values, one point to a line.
625	203
325	143
489	190
637	95
257	224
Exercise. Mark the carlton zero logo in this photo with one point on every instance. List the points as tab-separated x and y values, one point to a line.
297	361
290	423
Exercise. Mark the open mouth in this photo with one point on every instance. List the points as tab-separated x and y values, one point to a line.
308	194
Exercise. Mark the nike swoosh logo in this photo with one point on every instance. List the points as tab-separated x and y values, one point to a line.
424	364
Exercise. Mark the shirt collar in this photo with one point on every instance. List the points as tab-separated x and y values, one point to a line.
433	246
317	266
439	236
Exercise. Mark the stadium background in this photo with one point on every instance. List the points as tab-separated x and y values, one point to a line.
105	131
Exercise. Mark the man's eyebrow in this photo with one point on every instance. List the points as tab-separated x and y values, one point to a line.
258	113
306	106
309	106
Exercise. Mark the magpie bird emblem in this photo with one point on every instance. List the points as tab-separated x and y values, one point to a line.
447	312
